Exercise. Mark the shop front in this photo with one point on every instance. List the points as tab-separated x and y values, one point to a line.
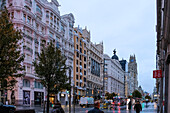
52	100
26	98
38	98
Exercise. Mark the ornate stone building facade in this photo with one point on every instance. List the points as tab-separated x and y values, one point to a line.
95	67
39	20
133	78
115	75
80	62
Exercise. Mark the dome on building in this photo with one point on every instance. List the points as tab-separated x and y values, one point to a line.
115	56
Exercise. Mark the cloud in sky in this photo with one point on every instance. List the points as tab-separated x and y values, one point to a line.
127	25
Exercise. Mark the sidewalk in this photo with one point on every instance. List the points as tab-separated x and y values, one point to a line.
39	109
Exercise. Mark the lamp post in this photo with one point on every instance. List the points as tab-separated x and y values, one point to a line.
70	90
74	100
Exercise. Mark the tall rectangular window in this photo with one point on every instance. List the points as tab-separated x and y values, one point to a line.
80	57
51	34
84	51
37	26
77	39
24	17
77	84
28	19
84	65
77	77
77	70
84	72
84	79
85	59
77	54
80	50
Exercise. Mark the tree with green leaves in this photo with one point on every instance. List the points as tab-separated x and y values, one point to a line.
51	70
137	94
147	97
110	95
10	53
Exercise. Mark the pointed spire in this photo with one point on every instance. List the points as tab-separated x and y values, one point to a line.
134	58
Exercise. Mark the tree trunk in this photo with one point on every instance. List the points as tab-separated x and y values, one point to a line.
48	100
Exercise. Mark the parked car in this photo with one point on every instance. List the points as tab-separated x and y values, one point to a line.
7	108
86	101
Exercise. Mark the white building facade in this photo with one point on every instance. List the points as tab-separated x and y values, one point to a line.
40	21
115	75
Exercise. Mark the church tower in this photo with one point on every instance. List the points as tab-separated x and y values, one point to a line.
132	68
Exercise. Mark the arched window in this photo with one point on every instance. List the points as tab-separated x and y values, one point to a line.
26	83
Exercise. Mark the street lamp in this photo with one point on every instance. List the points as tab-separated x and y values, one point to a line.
70	93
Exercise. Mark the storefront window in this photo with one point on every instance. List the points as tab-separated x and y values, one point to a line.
26	97
38	98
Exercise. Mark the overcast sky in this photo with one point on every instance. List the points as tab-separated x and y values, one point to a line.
125	25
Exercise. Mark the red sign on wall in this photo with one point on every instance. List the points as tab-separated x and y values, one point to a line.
157	74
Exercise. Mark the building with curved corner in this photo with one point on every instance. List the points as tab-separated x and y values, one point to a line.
115	75
40	21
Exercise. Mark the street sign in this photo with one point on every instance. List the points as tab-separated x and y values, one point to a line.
157	74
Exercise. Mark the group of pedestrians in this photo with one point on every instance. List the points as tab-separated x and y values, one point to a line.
137	106
58	109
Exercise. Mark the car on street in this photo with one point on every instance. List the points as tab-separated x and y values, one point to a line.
7	108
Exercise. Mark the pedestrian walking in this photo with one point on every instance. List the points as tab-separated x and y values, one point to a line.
138	107
130	105
96	108
57	108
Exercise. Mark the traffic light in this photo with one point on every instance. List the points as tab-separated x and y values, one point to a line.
67	92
